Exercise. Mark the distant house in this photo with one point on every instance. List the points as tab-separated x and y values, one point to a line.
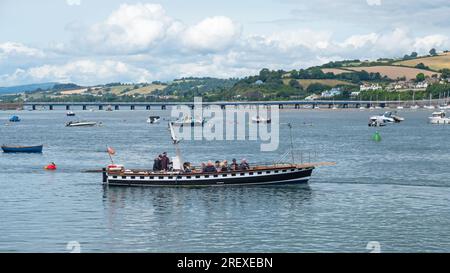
331	93
258	82
369	87
421	85
354	94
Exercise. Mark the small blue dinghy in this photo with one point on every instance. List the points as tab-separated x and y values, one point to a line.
22	149
14	119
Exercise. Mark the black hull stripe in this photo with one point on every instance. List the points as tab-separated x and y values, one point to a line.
285	178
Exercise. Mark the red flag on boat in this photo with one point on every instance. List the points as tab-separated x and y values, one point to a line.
111	151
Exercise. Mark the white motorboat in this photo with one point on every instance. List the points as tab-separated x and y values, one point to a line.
153	119
81	123
259	119
439	118
70	114
414	107
380	120
394	116
189	121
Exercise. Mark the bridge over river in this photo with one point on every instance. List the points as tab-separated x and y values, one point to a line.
296	104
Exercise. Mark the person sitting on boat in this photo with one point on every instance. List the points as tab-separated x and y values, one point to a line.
224	166
187	167
217	166
234	166
244	165
210	168
157	163
165	162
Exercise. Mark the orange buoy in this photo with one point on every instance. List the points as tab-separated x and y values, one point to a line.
50	167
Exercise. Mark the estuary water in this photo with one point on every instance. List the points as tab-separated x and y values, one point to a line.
395	192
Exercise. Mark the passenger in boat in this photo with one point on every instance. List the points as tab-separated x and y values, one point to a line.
203	166
217	166
234	166
224	166
165	162
187	167
244	165
157	163
210	168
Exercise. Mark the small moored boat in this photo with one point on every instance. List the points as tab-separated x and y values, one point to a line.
70	114
153	119
22	149
14	119
439	118
259	119
189	121
81	123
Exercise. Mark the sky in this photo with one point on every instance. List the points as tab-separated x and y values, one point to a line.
98	41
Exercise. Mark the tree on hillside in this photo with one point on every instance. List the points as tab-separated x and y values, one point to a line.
420	77
317	87
414	55
433	52
422	66
445	73
295	84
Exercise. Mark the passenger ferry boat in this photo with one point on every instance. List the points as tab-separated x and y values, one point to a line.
288	173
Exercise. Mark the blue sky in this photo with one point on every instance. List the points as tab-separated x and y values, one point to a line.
90	42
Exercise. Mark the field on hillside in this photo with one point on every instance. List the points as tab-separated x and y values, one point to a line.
146	89
335	71
436	63
395	72
307	82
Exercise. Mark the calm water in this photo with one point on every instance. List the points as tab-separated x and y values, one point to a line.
396	192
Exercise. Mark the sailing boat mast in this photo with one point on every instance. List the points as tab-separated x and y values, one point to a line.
292	143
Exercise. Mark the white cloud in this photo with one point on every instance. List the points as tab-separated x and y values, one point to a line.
373	2
80	71
131	29
73	2
358	41
290	39
424	44
211	34
18	49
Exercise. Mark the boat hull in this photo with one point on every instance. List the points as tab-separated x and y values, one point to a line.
28	149
255	177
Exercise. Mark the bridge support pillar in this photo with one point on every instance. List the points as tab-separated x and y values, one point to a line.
330	106
67	107
368	105
100	107
163	107
84	107
345	106
297	106
116	107
357	105
50	107
132	107
147	107
33	107
222	106
280	106
191	106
